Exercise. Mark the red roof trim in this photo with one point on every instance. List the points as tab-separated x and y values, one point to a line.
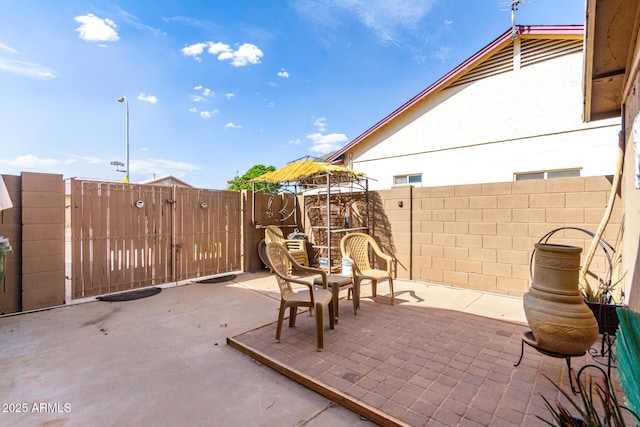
523	30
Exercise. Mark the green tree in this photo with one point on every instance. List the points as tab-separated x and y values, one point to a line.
244	182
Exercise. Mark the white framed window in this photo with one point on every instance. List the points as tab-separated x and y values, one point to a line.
409	179
550	174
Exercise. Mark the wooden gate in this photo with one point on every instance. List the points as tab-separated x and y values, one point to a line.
132	236
207	232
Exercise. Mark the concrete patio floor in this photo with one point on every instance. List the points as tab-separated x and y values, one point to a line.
164	360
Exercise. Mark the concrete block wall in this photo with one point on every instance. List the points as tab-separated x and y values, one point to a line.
481	236
42	240
35	275
11	228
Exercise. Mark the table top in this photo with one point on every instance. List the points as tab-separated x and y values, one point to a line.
334	278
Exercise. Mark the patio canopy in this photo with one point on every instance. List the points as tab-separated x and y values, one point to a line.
333	182
309	172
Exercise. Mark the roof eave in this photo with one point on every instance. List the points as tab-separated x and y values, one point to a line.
610	36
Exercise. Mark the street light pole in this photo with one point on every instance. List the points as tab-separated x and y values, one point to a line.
126	103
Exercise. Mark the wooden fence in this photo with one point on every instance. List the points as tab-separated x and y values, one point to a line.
132	236
475	236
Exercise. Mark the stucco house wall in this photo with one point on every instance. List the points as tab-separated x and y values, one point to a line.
494	126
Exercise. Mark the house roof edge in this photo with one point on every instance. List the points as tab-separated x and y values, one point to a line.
523	30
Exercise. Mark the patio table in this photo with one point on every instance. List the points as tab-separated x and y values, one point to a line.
337	282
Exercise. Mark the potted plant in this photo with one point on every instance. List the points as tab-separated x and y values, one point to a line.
596	405
607	295
5	249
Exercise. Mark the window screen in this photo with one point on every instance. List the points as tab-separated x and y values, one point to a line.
562	173
407	179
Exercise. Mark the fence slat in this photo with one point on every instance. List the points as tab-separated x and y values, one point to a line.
118	246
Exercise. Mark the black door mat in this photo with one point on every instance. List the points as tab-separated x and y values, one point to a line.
130	296
219	279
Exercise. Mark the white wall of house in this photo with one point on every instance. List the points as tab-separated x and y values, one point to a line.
525	120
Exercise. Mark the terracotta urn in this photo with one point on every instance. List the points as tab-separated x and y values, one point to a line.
560	320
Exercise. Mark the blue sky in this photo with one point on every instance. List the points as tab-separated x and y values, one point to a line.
215	87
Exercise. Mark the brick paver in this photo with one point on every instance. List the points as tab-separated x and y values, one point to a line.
418	365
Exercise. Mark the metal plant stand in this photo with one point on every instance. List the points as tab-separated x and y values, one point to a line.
606	355
527	338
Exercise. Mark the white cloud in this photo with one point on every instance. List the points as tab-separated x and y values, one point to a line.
94	29
321	124
162	167
326	143
194	50
27	69
229	95
232	125
6	48
31	162
138	166
386	19
448	22
332	138
245	54
208	114
295	141
192	22
442	53
219	48
73	158
193	110
283	73
321	142
151	99
135	22
206	92
384	14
